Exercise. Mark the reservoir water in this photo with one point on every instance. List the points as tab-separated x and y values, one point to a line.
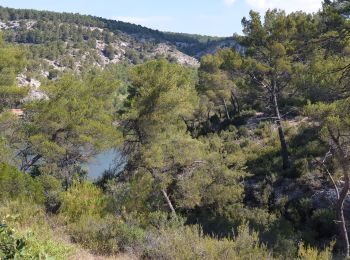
103	162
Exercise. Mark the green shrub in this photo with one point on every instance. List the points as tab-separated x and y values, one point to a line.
14	245
323	222
83	199
53	192
188	242
10	244
22	213
309	253
243	131
107	235
53	73
15	184
129	237
300	168
30	235
40	246
109	52
95	233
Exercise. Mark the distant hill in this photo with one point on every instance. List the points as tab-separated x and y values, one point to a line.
72	41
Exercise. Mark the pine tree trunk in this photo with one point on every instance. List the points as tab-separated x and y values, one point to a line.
340	210
169	202
284	147
226	110
235	103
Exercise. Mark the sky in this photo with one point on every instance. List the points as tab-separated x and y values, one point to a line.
208	17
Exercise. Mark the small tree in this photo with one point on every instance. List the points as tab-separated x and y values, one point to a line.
109	52
72	125
270	61
163	94
12	62
335	129
216	82
268	65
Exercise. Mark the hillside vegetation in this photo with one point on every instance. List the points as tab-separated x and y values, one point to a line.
71	40
245	156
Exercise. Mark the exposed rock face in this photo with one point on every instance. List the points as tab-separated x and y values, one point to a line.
23	81
34	93
173	53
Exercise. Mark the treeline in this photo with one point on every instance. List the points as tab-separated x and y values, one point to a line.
11	14
45	32
49	28
229	161
74	41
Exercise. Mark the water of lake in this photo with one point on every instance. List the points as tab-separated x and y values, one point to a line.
102	162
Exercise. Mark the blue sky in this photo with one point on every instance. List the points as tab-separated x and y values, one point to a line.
210	17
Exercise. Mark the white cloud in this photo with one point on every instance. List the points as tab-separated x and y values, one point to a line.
229	2
145	21
287	5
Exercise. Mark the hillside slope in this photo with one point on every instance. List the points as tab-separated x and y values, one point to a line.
62	40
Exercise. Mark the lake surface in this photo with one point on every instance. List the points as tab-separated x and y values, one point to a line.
103	162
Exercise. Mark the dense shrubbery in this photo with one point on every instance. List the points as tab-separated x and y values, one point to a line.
25	232
107	235
15	184
188	242
11	246
86	213
83	199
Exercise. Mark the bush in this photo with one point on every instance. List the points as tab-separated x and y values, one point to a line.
26	234
188	242
14	245
15	184
53	74
10	245
323	222
53	192
129	237
107	235
309	253
23	213
108	51
243	131
95	233
300	168
83	199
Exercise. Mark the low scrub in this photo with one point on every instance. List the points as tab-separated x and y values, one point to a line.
108	235
26	234
83	199
188	242
15	184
